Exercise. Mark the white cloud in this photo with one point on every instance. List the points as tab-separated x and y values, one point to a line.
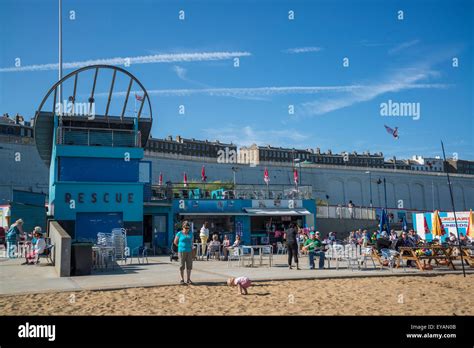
402	46
302	50
181	72
247	135
121	61
402	79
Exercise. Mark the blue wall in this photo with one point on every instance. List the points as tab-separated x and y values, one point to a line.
98	169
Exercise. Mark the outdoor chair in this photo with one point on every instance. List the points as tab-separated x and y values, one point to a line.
366	254
281	248
141	254
267	252
351	256
47	254
119	242
389	256
214	251
235	254
335	253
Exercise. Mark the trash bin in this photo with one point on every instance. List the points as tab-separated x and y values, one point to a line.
81	259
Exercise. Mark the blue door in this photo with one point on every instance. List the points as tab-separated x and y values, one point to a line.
89	224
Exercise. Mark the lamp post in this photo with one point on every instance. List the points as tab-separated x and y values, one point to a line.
370	186
298	163
379	181
234	169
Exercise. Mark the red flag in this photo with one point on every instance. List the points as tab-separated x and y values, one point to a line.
160	181
295	176
138	97
266	178
185	180
203	174
427	230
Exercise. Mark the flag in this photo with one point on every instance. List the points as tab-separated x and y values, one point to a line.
393	132
185	180
438	228
425	226
138	97
203	174
266	178
470	225
160	181
295	176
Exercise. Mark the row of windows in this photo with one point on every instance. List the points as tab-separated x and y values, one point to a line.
156	145
24	132
433	169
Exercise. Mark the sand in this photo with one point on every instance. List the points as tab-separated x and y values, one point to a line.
438	295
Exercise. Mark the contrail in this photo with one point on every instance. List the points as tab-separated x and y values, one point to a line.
156	58
265	91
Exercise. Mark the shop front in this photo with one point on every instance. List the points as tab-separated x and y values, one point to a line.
270	218
256	221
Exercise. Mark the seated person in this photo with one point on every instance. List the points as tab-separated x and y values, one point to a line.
38	248
383	242
236	242
214	246
225	247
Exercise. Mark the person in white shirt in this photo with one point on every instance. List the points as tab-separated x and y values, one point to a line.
39	247
204	235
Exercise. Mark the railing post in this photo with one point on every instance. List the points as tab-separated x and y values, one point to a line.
113	145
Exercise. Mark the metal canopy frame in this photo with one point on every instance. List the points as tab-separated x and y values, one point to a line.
75	74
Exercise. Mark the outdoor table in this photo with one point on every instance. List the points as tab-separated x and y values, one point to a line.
244	247
438	253
260	252
467	256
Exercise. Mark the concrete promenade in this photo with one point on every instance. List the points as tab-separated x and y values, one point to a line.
18	279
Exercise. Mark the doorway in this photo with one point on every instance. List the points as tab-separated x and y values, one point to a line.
148	230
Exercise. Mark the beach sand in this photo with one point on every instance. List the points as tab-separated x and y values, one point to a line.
417	295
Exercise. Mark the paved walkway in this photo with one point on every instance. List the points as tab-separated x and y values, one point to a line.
18	279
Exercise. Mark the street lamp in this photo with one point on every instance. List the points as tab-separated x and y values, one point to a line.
370	186
379	181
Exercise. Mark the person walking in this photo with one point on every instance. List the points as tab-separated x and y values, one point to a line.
184	242
291	242
204	235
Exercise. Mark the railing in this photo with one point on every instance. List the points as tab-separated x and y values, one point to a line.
366	213
227	191
97	137
339	212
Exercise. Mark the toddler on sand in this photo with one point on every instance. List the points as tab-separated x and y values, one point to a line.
242	283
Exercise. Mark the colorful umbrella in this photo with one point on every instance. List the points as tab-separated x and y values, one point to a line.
470	225
438	228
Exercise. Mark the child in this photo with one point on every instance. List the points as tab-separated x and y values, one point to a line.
242	284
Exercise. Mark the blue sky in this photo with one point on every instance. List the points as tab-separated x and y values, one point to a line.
282	62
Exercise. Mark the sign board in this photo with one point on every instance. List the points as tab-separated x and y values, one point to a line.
277	203
447	219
